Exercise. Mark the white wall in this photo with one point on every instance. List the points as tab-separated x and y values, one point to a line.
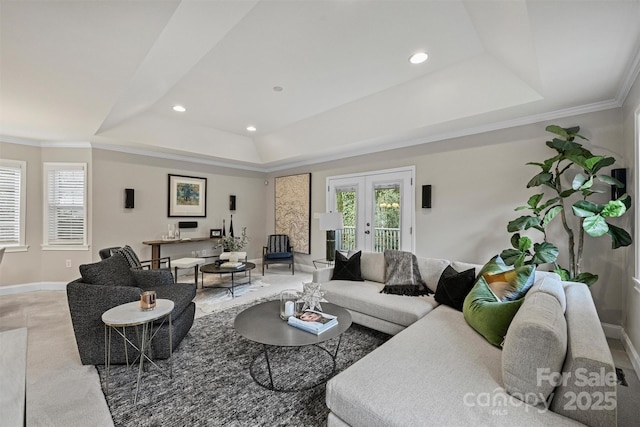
477	181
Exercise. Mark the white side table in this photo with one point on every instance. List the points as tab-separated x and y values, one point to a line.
130	314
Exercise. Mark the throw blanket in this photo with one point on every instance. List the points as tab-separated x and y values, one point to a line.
403	275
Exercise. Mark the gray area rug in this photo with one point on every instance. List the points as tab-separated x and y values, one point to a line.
212	386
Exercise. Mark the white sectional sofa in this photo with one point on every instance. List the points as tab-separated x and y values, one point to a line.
437	370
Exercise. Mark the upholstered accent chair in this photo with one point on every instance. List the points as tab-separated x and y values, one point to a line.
277	251
111	282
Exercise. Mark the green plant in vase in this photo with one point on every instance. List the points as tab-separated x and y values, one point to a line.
578	214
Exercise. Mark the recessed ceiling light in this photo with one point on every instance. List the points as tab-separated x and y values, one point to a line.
277	89
179	108
251	128
418	58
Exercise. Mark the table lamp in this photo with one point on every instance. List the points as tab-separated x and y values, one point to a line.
330	222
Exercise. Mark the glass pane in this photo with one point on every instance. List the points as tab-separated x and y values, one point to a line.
386	218
346	201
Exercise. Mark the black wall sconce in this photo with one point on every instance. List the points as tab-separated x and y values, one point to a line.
426	196
129	196
620	175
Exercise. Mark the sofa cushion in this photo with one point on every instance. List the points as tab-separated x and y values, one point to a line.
511	284
365	297
534	348
347	268
372	266
431	269
487	315
112	271
453	287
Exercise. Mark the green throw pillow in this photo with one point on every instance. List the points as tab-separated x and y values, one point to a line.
488	316
490	312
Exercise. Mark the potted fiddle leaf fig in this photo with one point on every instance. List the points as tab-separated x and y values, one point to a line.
579	215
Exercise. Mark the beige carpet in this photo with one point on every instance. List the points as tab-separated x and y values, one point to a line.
63	392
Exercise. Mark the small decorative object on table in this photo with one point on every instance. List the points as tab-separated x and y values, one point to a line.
288	300
148	300
311	296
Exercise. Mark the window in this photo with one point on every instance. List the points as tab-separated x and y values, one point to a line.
65	212
12	204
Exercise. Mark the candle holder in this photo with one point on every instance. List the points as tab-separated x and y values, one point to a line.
288	303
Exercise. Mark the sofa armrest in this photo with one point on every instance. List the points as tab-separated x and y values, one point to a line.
322	275
588	372
87	303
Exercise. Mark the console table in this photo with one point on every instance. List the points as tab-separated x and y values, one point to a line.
157	244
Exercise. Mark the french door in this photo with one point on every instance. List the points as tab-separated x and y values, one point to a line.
377	208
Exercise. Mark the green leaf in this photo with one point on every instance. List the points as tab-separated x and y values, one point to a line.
534	200
603	163
520	208
592	162
578	181
585	209
562	272
563	146
586	278
543	178
558	131
609	180
567	193
511	256
522	223
515	240
587	185
619	237
595	226
626	199
613	209
544	252
551	213
524	244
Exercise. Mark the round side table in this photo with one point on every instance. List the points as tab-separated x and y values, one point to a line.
130	314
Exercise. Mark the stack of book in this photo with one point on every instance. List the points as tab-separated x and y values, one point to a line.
313	321
230	264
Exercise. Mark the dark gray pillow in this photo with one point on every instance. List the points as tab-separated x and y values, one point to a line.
347	268
453	287
113	271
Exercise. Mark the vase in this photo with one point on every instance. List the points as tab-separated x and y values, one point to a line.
288	303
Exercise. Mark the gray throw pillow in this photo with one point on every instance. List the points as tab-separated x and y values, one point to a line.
113	271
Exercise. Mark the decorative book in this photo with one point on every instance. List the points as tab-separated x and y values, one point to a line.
313	321
230	264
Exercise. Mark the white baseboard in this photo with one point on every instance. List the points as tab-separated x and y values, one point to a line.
612	331
32	287
631	352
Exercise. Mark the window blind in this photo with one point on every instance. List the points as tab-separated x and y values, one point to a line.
65	207
10	206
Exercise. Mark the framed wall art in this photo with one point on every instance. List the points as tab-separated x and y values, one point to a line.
187	196
293	210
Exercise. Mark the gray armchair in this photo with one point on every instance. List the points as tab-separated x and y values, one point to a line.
112	282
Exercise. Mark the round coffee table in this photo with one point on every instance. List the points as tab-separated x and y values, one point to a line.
262	324
213	268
